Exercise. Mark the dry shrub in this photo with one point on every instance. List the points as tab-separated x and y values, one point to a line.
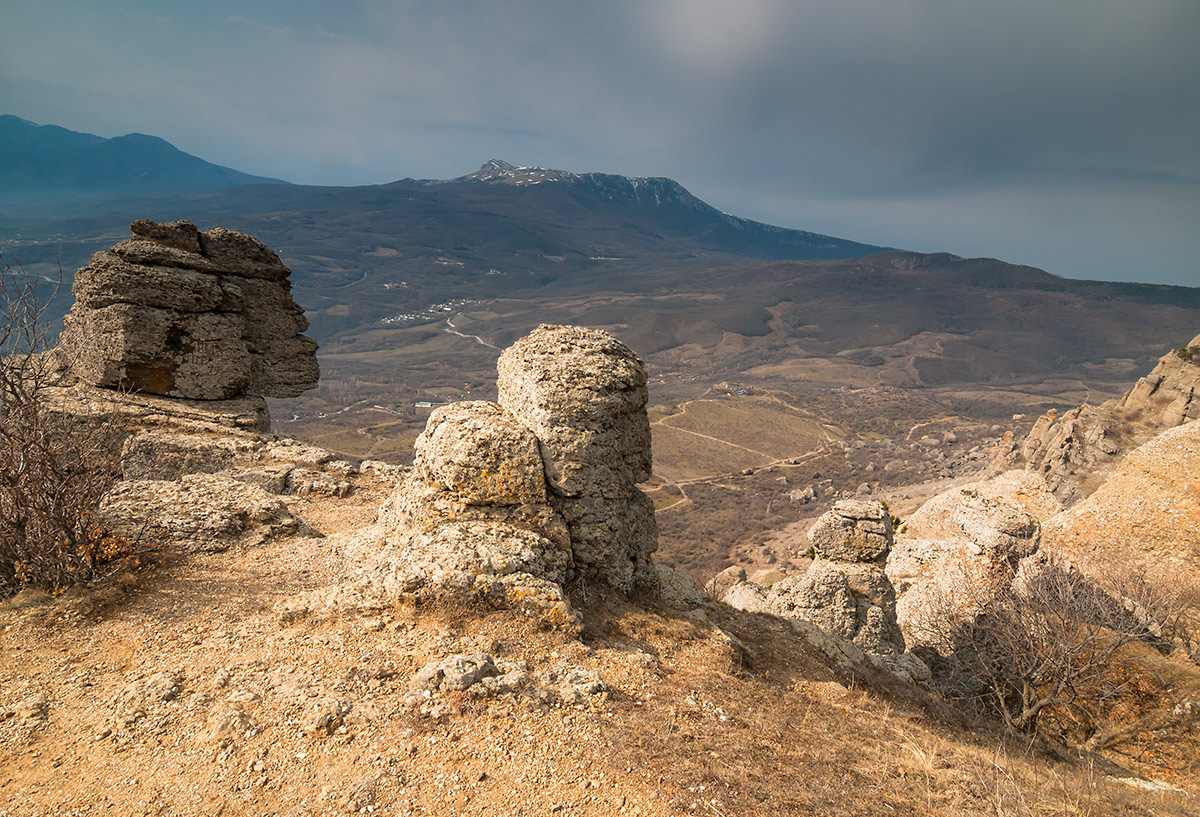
54	469
1051	651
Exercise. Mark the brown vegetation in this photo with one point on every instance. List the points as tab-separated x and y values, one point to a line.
54	471
1058	653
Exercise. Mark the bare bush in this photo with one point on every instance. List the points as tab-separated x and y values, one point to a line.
54	469
1051	640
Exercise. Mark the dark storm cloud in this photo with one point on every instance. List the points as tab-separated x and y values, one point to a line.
1061	134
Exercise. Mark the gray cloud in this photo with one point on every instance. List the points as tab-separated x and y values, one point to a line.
1061	134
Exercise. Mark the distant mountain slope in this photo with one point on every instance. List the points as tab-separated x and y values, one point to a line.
654	208
49	161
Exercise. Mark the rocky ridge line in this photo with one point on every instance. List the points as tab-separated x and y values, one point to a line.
1077	450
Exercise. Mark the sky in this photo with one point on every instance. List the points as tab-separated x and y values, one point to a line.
1061	134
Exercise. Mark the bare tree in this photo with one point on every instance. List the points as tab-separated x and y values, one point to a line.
54	470
1053	640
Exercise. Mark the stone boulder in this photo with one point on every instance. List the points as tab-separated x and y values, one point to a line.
485	508
854	531
582	393
181	313
846	590
474	463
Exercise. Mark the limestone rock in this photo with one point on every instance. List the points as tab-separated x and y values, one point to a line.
89	406
305	482
845	590
177	312
854	531
510	500
481	454
613	539
677	588
31	711
1077	450
751	597
583	395
167	455
475	465
455	673
1147	513
199	513
854	601
767	576
719	584
961	548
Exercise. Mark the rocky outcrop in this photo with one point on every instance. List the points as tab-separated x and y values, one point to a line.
1145	515
1077	450
473	513
198	513
845	591
961	547
582	393
189	314
200	476
512	500
844	605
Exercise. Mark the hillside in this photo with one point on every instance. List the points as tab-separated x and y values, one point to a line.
265	626
46	161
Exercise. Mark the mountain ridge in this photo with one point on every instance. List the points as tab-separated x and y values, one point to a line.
52	161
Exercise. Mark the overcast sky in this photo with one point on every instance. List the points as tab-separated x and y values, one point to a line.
1062	134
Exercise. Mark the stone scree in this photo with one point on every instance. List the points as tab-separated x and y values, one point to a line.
188	314
542	486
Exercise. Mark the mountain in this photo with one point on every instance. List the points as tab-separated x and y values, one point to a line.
655	207
49	161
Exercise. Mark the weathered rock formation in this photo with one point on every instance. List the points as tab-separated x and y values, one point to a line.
844	605
1147	513
512	500
961	547
181	313
173	341
472	514
845	591
583	395
1075	451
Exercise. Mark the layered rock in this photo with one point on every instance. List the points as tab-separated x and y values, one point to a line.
188	314
583	394
844	604
197	513
845	591
1075	451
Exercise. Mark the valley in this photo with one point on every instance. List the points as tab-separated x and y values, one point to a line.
776	365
